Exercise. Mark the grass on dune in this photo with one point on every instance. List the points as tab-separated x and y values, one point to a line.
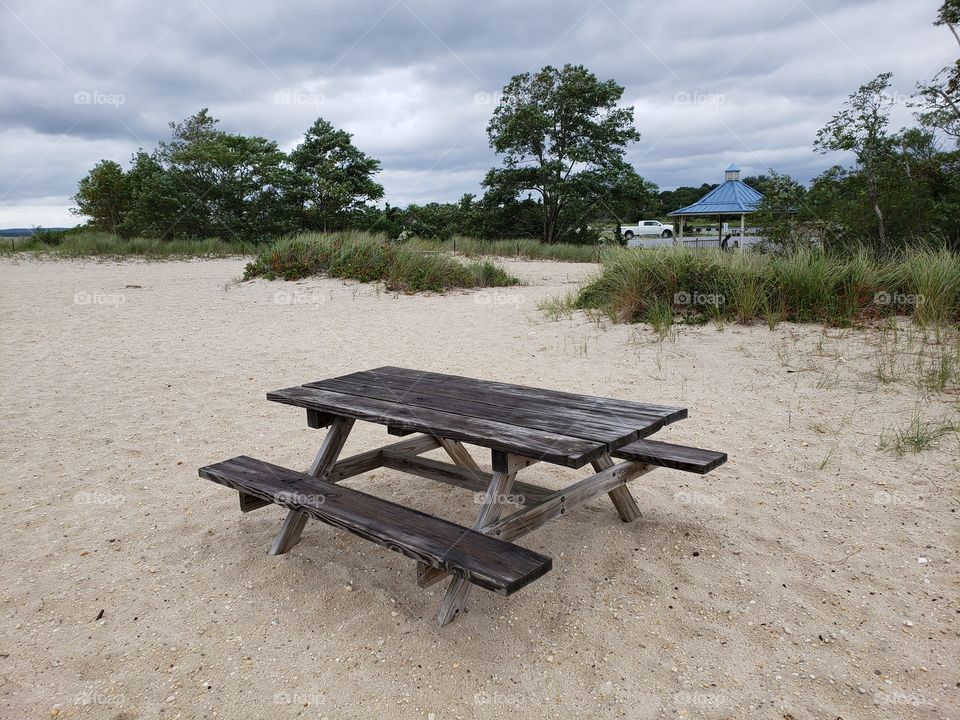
92	243
807	286
525	248
367	258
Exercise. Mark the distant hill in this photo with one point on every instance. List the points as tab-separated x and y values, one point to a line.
24	232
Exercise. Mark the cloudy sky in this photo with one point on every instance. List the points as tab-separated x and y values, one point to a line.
415	81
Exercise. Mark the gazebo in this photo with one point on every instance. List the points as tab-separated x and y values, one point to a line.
733	197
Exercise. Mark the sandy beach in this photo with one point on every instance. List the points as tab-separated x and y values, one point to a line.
812	576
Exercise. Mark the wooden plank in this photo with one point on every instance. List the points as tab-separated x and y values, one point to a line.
612	431
620	496
676	457
527	520
248	503
295	521
371	460
498	392
481	560
458	476
537	444
458	594
459	454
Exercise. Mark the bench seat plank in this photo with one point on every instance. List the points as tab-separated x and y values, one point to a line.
668	455
485	561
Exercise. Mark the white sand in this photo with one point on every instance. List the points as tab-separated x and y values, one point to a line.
786	584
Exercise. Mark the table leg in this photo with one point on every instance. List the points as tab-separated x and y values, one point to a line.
458	593
620	496
295	521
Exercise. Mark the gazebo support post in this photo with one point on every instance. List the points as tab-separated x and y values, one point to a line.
742	229
679	240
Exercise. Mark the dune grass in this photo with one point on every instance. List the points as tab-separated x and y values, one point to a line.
370	258
92	243
524	248
809	286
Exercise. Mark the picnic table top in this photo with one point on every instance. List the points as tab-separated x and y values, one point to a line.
548	425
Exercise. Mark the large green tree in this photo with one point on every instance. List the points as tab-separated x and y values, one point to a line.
940	98
103	195
860	127
561	135
333	179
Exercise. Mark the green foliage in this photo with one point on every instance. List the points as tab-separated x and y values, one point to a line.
83	242
562	136
332	177
104	196
370	258
802	286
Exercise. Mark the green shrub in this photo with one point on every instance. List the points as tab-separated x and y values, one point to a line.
804	286
369	258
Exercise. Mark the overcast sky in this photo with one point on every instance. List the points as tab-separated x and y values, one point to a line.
415	81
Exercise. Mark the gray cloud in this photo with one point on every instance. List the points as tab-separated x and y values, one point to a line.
415	80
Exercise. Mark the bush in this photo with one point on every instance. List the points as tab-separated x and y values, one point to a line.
369	258
804	286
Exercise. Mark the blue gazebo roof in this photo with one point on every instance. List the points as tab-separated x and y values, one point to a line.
733	197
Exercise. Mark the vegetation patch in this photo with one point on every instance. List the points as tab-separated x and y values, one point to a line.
371	258
804	286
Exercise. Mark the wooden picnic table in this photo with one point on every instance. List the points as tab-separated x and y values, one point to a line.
519	425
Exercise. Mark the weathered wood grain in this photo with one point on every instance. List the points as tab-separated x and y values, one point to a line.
458	594
485	561
612	430
498	392
323	462
559	503
676	457
537	444
620	496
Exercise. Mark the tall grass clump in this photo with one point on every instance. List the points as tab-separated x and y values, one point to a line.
369	258
805	286
523	248
93	243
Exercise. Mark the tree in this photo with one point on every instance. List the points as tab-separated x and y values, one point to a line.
561	134
780	213
103	196
940	98
332	177
861	128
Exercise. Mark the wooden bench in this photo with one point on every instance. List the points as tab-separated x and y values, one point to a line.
668	455
481	559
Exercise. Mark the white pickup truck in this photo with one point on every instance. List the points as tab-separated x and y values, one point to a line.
647	228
